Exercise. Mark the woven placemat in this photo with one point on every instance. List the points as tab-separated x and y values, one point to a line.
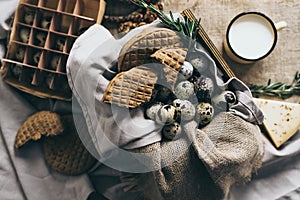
282	64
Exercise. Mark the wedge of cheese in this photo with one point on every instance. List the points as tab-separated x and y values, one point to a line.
282	119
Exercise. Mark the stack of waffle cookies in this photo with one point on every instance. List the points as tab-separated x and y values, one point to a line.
153	55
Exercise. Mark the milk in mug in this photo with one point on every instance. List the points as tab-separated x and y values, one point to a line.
251	36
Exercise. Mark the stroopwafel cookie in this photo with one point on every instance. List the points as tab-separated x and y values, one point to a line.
65	153
41	123
131	88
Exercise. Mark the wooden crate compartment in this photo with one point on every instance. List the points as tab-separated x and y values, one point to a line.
67	6
38	37
49	4
27	75
43	19
22	34
62	64
61	23
61	83
26	14
33	56
50	61
13	71
68	45
38	78
87	8
16	52
49	80
79	26
56	42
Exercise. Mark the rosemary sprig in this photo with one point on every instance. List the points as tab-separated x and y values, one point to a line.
278	89
187	27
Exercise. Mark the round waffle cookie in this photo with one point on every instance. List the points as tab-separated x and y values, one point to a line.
138	49
41	123
131	88
65	153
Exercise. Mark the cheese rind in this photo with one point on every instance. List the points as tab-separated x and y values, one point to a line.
282	119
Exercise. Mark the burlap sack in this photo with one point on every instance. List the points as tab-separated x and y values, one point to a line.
224	153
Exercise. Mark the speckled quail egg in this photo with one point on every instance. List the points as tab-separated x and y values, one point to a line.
186	69
36	57
59	44
205	112
40	39
204	87
167	114
24	35
28	17
54	62
163	94
152	111
20	54
171	131
16	70
200	62
224	100
45	23
186	108
184	90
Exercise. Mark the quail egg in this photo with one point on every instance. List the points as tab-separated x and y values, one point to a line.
167	114
163	94
199	61
205	112
40	39
28	17
20	54
184	90
24	35
36	57
186	69
45	23
59	44
186	109
16	70
171	131
225	100
54	62
204	87
152	111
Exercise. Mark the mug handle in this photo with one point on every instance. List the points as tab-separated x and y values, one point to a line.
280	25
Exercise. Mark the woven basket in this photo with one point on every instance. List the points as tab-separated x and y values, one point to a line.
37	64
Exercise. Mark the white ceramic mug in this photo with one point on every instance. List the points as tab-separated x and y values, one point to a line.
251	36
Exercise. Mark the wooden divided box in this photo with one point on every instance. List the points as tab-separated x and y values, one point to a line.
42	36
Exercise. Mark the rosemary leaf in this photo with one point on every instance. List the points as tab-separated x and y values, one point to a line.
187	27
277	89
